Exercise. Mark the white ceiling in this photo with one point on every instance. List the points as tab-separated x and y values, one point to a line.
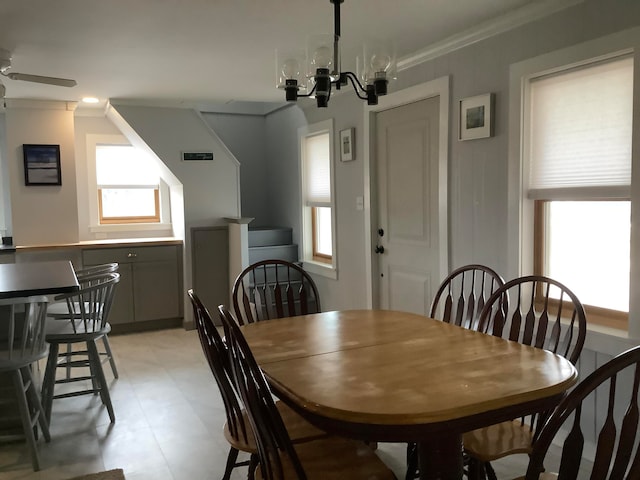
208	50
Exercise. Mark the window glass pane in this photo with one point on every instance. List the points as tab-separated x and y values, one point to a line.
579	118
317	167
124	165
323	231
588	250
128	202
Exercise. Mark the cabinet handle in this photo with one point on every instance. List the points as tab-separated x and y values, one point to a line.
132	255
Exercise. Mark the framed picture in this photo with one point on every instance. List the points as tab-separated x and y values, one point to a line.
42	165
476	117
347	147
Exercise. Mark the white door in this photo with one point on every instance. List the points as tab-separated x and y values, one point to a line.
408	238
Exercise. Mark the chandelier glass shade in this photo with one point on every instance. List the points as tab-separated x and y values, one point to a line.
316	71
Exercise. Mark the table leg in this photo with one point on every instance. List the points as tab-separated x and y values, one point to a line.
440	457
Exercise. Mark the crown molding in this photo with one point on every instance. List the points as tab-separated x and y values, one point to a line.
40	104
509	21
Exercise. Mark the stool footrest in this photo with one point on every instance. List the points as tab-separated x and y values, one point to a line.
76	394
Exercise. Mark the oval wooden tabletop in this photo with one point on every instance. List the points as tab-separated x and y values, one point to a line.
396	368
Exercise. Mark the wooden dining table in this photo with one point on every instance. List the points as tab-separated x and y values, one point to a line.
390	376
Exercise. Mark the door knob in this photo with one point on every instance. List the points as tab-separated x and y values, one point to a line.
379	249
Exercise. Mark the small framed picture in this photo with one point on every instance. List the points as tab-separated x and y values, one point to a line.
476	117
347	147
42	165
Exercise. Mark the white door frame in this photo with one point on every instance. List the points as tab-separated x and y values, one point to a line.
438	87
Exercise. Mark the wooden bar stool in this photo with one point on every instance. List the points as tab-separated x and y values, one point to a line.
21	344
89	310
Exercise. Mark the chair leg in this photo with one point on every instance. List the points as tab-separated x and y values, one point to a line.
253	464
231	463
412	461
112	362
475	469
96	368
491	474
37	404
25	417
49	381
69	354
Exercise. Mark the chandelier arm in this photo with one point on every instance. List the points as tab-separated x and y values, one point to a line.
354	80
308	94
355	88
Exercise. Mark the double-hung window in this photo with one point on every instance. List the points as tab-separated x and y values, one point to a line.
128	185
316	145
579	131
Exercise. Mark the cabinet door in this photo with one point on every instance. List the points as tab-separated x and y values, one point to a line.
156	290
210	264
122	307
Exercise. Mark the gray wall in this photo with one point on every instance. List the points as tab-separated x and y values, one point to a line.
245	136
349	291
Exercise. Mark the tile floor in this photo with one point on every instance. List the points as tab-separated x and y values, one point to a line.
169	418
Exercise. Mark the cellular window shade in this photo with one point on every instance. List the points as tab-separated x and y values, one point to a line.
580	131
317	170
124	165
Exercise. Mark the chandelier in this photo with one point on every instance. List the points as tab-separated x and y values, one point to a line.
322	64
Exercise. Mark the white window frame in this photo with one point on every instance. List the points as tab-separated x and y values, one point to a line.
94	212
326	269
520	208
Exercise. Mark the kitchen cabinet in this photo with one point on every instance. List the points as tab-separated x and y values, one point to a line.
149	294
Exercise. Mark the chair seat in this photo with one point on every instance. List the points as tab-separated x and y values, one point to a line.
299	430
506	438
336	458
63	332
7	364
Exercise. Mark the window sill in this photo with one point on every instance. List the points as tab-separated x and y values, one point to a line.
130	227
322	269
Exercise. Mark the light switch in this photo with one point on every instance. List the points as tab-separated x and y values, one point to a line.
359	203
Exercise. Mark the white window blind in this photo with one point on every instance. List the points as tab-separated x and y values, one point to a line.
580	132
317	172
124	165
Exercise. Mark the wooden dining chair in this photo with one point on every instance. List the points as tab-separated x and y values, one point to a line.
87	322
613	387
459	300
273	289
279	458
22	322
532	310
463	294
236	430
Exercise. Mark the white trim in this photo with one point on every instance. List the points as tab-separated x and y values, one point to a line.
509	21
438	87
323	269
130	227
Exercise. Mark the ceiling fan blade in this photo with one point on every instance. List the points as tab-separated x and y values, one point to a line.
61	82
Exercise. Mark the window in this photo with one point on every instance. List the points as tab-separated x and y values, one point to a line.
128	185
579	127
316	152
